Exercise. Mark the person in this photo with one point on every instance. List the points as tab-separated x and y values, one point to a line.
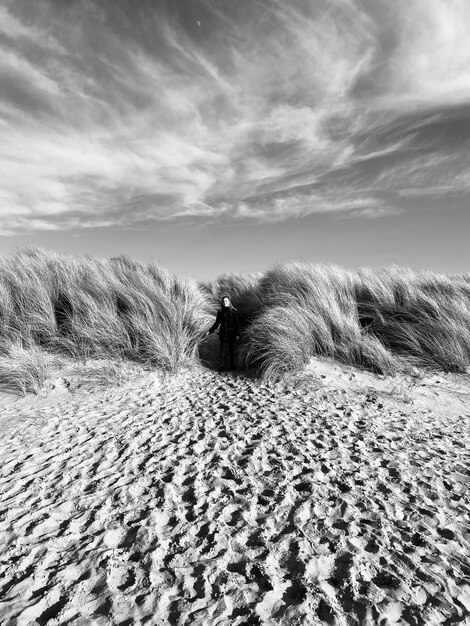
227	319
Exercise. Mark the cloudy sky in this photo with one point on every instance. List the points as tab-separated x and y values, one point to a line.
226	135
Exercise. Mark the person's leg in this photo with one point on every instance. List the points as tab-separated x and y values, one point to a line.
222	355
231	347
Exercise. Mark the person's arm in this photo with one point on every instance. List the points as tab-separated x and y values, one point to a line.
215	325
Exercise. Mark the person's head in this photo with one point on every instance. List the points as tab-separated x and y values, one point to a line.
225	302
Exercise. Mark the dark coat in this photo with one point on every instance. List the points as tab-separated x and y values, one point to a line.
227	319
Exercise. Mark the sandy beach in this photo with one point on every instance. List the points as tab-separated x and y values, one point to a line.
220	500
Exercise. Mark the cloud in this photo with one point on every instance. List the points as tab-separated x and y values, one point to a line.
111	117
280	208
433	58
15	29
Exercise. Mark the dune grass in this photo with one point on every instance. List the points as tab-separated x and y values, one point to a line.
384	320
100	308
23	370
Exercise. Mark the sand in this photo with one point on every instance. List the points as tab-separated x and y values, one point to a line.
340	499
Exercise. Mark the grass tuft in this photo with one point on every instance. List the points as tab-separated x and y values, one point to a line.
24	370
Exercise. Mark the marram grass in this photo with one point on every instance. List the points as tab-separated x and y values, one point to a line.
382	320
100	308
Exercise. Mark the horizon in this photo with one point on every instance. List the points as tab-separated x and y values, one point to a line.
226	136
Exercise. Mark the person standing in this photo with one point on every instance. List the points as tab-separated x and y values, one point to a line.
227	319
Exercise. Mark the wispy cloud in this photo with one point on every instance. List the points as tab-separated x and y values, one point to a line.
113	118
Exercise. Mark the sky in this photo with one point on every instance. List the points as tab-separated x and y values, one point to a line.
218	136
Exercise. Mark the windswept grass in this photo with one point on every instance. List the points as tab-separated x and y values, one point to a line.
310	310
385	320
424	316
101	308
24	370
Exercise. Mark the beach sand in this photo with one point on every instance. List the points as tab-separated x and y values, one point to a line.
340	498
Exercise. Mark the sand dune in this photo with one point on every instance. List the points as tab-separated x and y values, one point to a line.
220	500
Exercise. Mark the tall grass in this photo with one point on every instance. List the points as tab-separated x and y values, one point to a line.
423	316
24	370
310	310
100	307
383	320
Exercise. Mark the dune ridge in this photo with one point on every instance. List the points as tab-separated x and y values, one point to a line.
387	320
